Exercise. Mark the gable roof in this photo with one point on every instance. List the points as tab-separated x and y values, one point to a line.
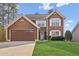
75	27
19	18
57	13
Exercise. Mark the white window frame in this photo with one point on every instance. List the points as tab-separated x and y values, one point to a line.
55	31
41	21
55	19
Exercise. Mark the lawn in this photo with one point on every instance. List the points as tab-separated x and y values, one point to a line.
56	48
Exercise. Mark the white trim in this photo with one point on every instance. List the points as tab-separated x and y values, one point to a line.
10	36
22	29
31	21
52	19
56	12
55	31
6	35
37	34
19	18
9	39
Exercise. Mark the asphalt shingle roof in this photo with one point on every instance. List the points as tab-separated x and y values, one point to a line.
37	17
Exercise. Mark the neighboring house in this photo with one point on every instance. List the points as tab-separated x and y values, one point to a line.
75	33
36	26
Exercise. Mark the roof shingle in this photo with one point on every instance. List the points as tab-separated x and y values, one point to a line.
37	17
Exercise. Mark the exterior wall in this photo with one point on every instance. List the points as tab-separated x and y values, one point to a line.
22	24
61	28
41	30
47	30
75	34
34	21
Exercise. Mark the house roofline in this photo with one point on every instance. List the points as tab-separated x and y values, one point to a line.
75	27
18	19
57	12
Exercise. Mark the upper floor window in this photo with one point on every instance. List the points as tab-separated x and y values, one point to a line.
41	23
55	22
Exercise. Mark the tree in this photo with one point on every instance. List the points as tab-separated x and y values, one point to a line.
68	35
7	12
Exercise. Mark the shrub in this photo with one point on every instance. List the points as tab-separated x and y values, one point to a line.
49	37
2	34
68	35
58	38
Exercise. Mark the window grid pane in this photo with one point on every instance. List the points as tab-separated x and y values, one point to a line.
56	33
41	23
55	22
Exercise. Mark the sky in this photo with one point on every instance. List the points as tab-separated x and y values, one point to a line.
69	10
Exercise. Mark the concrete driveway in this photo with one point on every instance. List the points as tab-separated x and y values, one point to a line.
17	48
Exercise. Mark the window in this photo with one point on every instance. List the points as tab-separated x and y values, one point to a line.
41	23
55	22
54	33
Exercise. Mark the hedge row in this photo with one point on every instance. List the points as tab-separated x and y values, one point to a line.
57	38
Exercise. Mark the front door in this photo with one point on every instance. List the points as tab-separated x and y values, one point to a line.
42	35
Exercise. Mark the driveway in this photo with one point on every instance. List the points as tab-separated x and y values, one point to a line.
17	48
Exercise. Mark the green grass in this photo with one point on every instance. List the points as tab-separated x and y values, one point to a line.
56	48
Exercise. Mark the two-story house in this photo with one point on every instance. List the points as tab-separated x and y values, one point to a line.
36	26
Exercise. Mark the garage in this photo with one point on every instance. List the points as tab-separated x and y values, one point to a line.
22	35
22	29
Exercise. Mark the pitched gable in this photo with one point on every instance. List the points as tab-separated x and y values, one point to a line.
19	19
55	14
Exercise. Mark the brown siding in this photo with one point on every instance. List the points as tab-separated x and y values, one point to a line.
34	21
22	35
61	28
43	29
22	25
55	15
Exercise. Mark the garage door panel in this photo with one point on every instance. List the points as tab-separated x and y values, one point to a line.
22	35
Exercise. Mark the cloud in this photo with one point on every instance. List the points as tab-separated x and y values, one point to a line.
69	21
45	6
68	25
48	6
61	4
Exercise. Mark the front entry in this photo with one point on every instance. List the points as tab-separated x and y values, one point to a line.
42	35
